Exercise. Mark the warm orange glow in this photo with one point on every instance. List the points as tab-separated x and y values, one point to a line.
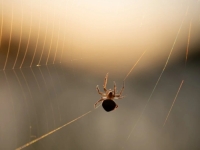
113	31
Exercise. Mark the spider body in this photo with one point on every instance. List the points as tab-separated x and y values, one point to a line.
107	98
109	105
110	94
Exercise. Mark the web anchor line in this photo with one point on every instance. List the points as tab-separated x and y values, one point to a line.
51	132
134	65
166	63
186	57
173	102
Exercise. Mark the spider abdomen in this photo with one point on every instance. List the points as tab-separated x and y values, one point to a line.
109	105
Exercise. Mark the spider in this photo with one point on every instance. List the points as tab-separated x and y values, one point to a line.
108	97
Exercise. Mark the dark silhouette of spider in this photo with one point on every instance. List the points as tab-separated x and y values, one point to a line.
107	98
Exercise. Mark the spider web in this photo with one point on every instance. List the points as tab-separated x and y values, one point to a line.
48	75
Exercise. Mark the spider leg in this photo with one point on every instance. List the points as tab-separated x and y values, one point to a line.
105	82
115	88
122	89
116	106
95	105
98	90
117	96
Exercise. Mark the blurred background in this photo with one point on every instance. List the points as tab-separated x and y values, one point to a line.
53	54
